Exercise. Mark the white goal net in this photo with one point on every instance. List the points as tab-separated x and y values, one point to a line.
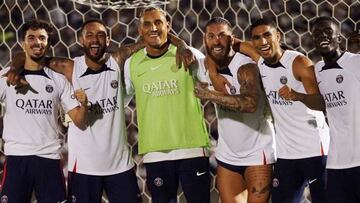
188	20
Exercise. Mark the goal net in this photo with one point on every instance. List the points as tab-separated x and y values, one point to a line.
188	18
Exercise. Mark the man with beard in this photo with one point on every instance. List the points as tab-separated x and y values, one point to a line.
32	144
99	157
172	131
338	76
301	133
244	151
354	42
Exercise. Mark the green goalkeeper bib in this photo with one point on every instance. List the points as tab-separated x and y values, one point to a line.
169	115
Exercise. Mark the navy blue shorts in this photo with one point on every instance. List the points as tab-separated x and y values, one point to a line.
343	185
163	180
291	176
121	187
236	169
24	174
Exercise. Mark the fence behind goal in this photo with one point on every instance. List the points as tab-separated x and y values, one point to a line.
188	20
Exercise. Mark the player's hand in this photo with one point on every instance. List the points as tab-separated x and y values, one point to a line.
81	97
218	81
287	93
184	56
14	78
201	90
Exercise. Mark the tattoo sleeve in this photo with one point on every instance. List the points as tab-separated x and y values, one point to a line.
181	44
247	100
125	51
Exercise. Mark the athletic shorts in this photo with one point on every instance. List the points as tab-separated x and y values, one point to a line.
163	179
24	174
233	168
291	176
343	185
120	188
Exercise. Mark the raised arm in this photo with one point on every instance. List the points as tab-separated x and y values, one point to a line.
246	48
61	65
125	51
246	101
16	66
183	54
303	69
79	114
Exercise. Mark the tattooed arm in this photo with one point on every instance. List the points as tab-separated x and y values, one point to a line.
246	101
125	51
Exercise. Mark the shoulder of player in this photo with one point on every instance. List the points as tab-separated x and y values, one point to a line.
2	73
4	70
302	61
352	57
54	75
242	59
318	65
248	70
198	54
301	65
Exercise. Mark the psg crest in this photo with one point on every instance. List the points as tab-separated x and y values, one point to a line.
114	84
49	88
4	199
232	89
283	80
158	182
339	79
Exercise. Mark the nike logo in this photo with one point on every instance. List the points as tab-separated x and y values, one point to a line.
151	69
155	67
263	76
200	173
313	180
319	82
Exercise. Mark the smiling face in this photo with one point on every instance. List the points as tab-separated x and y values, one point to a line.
154	29
218	41
266	40
94	40
326	37
35	43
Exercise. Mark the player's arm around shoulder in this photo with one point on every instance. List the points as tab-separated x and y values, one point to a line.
61	65
79	114
246	101
125	51
247	48
303	69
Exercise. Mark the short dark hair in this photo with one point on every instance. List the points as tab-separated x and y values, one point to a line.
154	8
218	20
36	24
262	21
322	19
93	20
